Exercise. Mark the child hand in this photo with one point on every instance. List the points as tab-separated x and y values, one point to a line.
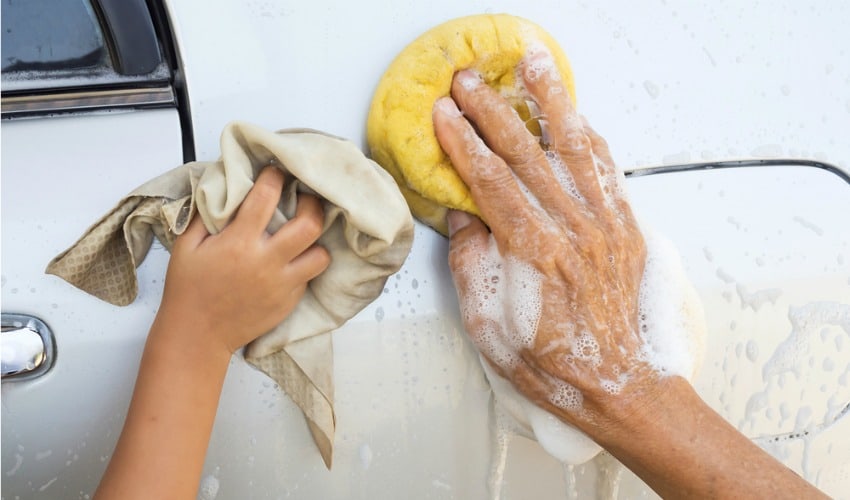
242	282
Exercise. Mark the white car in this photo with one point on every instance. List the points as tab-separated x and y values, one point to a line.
102	95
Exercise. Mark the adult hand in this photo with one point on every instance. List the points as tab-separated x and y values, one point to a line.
244	281
550	293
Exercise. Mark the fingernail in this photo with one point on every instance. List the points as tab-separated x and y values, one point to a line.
468	79
539	61
536	50
457	220
271	169
447	106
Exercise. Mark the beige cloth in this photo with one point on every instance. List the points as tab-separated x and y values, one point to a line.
368	231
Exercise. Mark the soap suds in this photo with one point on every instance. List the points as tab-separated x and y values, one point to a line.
757	299
505	297
565	396
611	181
563	176
209	487
672	318
586	348
518	415
540	62
804	319
673	334
787	376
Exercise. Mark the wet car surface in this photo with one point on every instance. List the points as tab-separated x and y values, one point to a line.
766	247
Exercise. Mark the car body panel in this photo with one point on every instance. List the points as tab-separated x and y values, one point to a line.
58	430
663	83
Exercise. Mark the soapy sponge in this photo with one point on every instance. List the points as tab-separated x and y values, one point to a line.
400	130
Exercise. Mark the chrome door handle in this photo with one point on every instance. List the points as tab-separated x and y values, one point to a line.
27	347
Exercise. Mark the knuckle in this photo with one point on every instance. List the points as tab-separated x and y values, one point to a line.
311	226
599	143
264	192
312	263
492	178
520	152
323	257
575	143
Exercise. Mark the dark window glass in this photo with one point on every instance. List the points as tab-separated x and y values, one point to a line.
50	35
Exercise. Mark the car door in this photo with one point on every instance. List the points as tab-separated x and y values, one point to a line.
90	110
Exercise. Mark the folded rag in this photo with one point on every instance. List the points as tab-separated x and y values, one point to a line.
368	231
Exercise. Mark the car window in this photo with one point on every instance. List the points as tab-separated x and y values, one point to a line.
81	55
43	36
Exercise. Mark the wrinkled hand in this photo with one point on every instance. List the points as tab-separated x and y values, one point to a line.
242	282
550	295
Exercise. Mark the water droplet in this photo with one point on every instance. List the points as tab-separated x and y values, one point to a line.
752	351
651	89
379	314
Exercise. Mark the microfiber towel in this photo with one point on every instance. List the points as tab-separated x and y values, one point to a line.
368	231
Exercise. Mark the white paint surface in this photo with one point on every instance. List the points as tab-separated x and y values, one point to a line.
663	81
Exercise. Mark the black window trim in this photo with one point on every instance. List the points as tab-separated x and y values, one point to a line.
162	24
131	35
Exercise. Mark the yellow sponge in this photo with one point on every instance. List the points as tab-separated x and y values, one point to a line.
400	130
